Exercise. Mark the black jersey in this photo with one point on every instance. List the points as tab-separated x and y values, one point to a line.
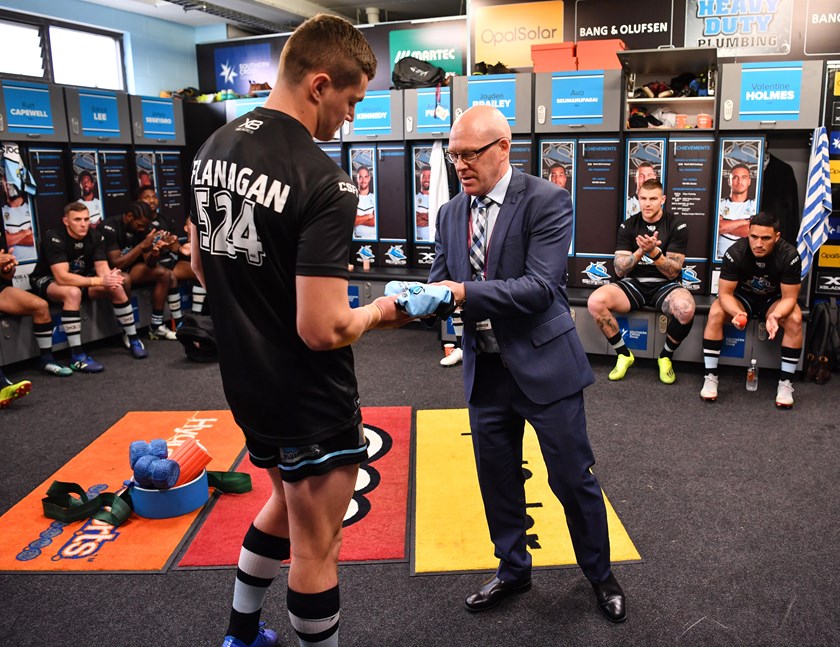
58	246
270	205
3	248
761	277
672	235
118	236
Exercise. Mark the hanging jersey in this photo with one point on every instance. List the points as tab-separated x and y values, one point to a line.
672	235
270	205
761	276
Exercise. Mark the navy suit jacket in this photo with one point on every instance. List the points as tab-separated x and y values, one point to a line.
524	294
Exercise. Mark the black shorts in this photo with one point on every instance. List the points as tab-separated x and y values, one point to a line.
40	284
348	447
756	306
646	294
4	285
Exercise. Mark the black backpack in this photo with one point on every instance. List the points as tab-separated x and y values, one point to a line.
410	72
824	332
198	338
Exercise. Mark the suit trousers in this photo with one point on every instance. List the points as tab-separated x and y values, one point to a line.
498	411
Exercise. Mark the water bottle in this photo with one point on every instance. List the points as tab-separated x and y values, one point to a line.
752	376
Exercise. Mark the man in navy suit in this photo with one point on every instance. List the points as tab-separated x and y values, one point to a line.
501	246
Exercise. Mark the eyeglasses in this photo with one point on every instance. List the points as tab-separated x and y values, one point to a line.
468	157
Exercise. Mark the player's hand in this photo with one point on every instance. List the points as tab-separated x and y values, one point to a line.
7	262
392	316
772	325
149	241
740	320
113	279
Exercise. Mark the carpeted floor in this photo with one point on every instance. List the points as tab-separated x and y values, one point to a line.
733	505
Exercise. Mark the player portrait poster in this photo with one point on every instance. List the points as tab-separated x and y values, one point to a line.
144	163
421	185
739	185
645	161
18	213
86	188
557	163
363	172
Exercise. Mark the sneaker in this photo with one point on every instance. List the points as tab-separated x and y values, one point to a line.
54	368
13	391
784	395
666	370
85	364
710	388
453	358
126	341
265	638
138	351
162	332
623	363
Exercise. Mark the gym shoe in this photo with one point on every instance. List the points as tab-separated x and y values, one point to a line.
623	363
453	358
54	368
710	388
85	364
162	332
666	370
784	395
265	638
13	391
138	351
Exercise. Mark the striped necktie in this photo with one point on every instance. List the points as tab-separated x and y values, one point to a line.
478	243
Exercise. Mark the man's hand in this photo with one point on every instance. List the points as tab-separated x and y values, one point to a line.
772	325
392	316
7	262
113	279
740	320
149	241
459	292
648	243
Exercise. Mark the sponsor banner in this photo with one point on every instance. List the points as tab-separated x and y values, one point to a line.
834	227
834	168
690	198
433	109
648	29
828	282
834	142
423	255
829	256
373	114
822	27
99	113
740	28
597	197
28	108
577	98
498	91
770	91
158	118
734	342
506	32
439	44
635	331
236	67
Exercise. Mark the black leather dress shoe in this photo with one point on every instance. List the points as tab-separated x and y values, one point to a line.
610	597
492	592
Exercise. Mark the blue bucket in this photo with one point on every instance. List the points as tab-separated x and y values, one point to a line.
165	504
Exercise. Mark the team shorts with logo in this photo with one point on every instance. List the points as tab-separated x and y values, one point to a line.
347	447
756	306
4	285
646	294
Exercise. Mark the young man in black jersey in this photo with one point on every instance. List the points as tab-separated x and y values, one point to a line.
133	246
760	279
177	256
73	264
648	260
271	237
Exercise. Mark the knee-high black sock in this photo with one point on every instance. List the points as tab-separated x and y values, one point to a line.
260	560
315	616
617	342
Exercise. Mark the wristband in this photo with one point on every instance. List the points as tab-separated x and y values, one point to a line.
655	258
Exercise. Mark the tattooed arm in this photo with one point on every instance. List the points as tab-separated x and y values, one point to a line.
670	264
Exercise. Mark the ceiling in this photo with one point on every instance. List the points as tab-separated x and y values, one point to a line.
272	16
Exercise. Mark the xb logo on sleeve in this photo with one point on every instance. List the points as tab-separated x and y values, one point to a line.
250	126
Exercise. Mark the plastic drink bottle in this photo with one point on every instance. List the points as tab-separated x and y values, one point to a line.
752	376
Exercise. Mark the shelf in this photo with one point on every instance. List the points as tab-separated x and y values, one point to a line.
674	100
668	61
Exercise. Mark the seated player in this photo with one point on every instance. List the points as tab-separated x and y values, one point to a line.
760	279
135	248
15	301
73	264
177	257
648	260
